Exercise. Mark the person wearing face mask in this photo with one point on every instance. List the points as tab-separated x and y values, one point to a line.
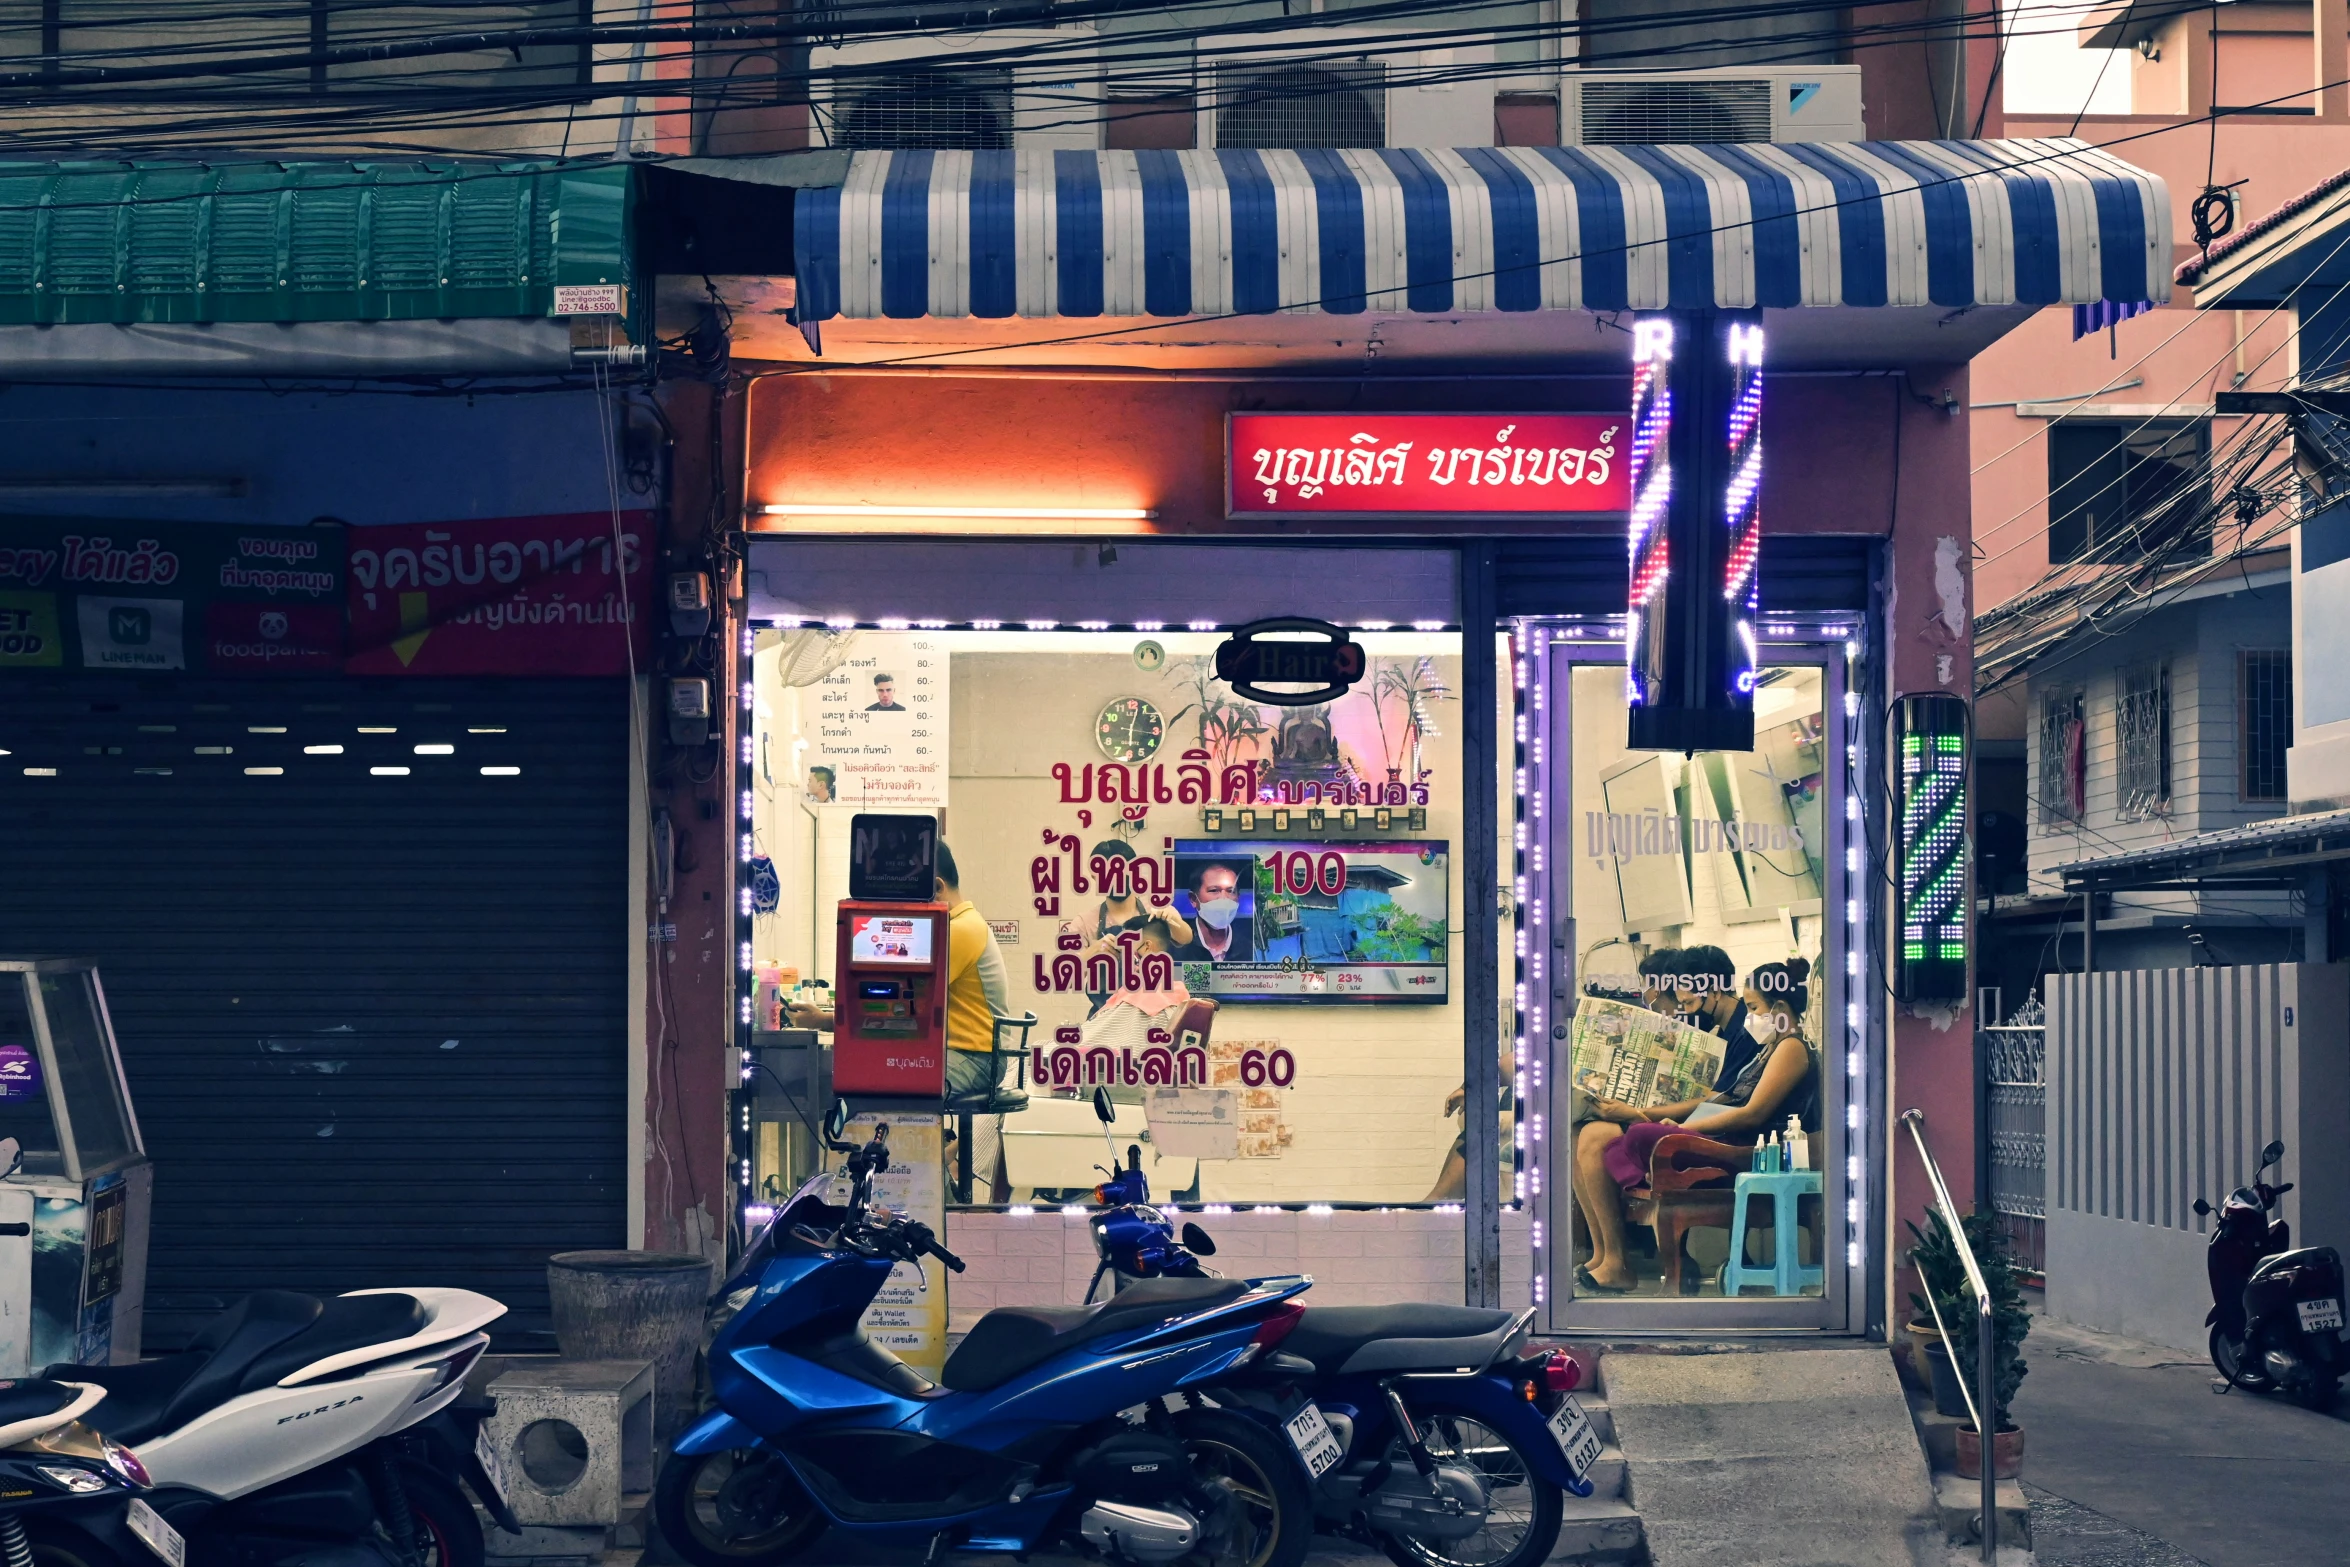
1782	1079
1705	994
1224	933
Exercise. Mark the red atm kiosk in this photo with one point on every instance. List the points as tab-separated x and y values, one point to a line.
889	1015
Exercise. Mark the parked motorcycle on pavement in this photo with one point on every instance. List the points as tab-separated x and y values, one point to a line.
2276	1314
1061	1426
1430	1431
323	1432
68	1496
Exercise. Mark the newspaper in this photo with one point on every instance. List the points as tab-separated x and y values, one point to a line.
1638	1057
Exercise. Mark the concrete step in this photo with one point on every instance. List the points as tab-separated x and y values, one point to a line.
1607	1475
1603	1419
1823	1434
1959	1504
1598	1529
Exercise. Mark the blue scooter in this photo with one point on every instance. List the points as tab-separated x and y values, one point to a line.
1056	1426
1446	1443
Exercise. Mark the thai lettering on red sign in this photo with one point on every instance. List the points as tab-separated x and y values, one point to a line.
509	596
1427	463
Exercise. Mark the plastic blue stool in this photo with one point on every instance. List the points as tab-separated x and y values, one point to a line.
1785	1276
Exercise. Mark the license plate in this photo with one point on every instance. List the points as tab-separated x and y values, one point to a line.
156	1534
1310	1434
2317	1316
486	1453
1575	1437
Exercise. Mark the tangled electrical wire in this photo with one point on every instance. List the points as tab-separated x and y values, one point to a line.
2253	493
369	78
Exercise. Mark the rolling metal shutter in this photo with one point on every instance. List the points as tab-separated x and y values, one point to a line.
374	1025
1585	575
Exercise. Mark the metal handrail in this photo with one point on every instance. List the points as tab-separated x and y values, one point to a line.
1986	1340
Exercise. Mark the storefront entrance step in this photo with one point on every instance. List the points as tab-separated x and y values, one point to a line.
1824	1434
1603	1419
1598	1529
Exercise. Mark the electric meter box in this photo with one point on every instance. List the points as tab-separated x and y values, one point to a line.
73	1215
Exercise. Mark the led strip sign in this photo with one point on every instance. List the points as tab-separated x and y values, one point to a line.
1694	538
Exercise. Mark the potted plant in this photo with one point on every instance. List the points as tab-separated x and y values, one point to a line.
1942	1274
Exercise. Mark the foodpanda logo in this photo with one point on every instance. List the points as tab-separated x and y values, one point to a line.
272	625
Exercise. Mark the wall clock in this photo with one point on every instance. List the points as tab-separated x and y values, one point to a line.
1129	729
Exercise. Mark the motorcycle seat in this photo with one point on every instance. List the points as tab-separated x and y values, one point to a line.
1407	1336
262	1339
1012	1339
136	1396
348	1322
29	1398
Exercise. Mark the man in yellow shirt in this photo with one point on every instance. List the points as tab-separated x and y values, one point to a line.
976	989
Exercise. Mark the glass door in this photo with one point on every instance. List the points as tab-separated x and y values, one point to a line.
1696	918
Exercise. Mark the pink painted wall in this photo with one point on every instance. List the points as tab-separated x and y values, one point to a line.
2266	54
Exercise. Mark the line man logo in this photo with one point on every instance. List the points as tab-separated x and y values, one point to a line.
133	627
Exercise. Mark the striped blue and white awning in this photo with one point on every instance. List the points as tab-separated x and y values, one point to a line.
1039	232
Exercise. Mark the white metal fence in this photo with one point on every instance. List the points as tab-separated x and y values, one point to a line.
2162	1086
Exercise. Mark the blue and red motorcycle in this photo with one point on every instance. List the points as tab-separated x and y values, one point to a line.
1431	1432
1055	1426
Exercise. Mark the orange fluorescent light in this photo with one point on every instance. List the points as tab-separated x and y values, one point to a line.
980	513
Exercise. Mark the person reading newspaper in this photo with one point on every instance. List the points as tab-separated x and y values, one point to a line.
1612	1151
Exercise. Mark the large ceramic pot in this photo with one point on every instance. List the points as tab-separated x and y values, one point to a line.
634	1305
2007	1453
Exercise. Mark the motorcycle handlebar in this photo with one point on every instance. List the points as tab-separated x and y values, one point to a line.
952	1261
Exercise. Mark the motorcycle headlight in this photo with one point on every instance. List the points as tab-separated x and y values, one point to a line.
126	1463
79	1481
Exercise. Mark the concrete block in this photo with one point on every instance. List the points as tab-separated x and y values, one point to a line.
1959	1503
543	1545
574	1436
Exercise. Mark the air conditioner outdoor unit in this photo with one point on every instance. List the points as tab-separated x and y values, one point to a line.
1341	87
1768	103
1006	87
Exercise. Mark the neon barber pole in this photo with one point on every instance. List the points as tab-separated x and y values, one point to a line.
1695	533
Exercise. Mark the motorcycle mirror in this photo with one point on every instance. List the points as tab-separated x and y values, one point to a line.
836	1120
1198	1240
11	1156
2202	1209
1101	1106
2274	1153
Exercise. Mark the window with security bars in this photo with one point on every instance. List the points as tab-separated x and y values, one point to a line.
965	109
2142	740
2063	781
2264	722
1295	104
1615	113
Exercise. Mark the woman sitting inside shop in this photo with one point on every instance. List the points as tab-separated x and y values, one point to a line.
1612	1152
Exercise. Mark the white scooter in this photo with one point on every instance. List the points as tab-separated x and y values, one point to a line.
299	1432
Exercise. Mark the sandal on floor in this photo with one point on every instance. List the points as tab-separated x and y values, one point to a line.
1584	1281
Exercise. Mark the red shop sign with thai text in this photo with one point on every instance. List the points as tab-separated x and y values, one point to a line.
1445	464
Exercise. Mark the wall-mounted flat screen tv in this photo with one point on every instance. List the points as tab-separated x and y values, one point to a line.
1310	920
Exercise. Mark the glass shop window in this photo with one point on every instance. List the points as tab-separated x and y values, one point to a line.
1241	918
1703	951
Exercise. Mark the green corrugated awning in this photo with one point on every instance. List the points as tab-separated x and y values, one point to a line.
287	242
